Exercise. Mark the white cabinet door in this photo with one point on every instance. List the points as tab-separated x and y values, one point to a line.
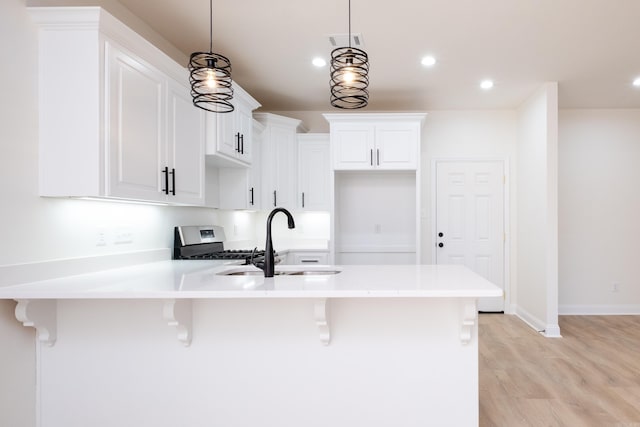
244	132
229	135
353	145
279	155
283	156
397	146
313	172
185	146
383	145
135	113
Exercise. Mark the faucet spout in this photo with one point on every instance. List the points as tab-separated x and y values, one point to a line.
269	261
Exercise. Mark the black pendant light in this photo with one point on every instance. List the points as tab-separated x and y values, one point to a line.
349	75
210	77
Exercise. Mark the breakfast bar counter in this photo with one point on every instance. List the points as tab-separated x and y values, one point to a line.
312	346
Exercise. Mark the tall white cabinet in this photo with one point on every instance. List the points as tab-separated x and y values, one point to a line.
116	120
375	216
279	157
314	172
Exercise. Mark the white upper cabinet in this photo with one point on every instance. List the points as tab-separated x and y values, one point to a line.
279	157
375	141
229	135
122	125
240	188
314	172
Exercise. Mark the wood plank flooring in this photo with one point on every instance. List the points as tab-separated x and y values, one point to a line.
590	377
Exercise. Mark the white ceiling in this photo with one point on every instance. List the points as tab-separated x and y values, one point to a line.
587	46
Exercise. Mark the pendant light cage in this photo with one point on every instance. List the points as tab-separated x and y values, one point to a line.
349	76
211	84
210	77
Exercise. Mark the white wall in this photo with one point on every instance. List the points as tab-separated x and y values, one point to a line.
599	214
537	275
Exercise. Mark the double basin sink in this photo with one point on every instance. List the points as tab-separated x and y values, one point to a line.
287	271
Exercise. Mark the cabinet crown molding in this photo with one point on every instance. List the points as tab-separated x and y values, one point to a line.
374	117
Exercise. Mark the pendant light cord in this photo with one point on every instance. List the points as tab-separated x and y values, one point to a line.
211	26
349	23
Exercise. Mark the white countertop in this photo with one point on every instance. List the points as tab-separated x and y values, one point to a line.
201	279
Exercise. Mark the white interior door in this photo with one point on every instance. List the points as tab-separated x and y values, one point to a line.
470	220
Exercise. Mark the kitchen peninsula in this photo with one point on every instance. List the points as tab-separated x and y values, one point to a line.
341	345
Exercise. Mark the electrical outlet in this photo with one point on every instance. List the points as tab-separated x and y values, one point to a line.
615	287
123	235
101	238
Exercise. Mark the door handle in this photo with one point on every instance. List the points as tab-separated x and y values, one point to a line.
303	199
251	201
173	181
242	144
371	156
165	171
378	156
275	200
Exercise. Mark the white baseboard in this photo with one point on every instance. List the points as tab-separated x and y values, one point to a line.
14	274
616	309
549	330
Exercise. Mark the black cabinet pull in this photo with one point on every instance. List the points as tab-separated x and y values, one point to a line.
173	181
371	156
440	234
275	203
251	200
165	171
378	157
241	144
303	199
440	245
309	261
237	137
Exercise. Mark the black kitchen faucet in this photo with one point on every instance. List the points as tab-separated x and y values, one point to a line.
269	262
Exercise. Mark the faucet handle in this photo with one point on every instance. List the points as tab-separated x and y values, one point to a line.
260	265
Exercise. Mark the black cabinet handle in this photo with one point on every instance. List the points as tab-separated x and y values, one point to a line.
371	156
275	203
165	171
315	261
440	234
237	136
440	245
173	181
303	199
241	144
251	200
378	157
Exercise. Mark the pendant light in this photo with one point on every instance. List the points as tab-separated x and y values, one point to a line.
349	75
210	77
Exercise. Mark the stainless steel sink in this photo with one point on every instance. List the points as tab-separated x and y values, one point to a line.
292	272
311	272
247	273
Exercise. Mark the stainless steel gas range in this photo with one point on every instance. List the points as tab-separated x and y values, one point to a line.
206	242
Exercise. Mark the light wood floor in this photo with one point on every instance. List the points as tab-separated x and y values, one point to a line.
590	377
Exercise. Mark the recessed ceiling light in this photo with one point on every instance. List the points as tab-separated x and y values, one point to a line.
486	84
319	62
428	61
636	82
